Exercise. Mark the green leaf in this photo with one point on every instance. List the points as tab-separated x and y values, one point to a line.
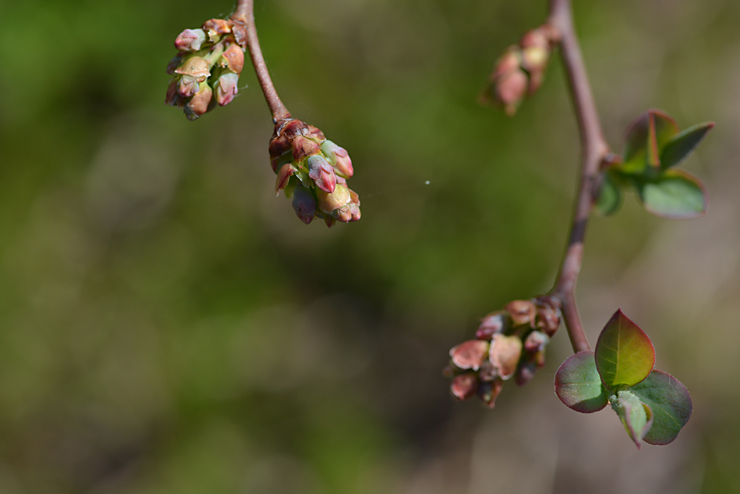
682	145
578	385
670	402
645	137
624	354
636	417
675	194
610	197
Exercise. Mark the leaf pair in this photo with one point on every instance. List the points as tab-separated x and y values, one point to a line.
652	405
653	146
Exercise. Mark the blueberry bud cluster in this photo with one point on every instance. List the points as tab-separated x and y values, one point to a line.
205	71
520	70
508	343
313	171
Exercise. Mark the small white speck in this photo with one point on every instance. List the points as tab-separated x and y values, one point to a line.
427	182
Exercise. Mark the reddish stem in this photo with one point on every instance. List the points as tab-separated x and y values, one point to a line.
593	151
245	13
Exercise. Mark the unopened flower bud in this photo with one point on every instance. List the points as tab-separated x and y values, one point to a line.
233	58
188	86
175	63
511	89
283	177
491	324
548	319
489	391
190	40
304	204
525	372
338	157
196	67
329	202
464	386
199	104
322	173
536	342
173	97
521	312
226	88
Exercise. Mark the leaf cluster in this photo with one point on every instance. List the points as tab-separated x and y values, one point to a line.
652	405
653	147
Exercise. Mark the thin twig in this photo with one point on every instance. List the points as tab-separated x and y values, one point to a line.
245	12
594	149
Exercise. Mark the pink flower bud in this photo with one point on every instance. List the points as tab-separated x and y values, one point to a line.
491	324
226	88
322	173
338	157
188	86
304	204
504	354
233	58
190	40
199	104
522	312
283	176
510	90
464	386
217	27
173	98
536	342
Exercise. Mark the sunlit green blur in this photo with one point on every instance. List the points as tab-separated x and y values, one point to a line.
168	326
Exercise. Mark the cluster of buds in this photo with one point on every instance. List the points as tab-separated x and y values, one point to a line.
520	70
205	71
508	343
313	171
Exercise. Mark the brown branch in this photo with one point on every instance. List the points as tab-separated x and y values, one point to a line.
594	149
245	13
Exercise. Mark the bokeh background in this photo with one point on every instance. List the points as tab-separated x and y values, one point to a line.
168	326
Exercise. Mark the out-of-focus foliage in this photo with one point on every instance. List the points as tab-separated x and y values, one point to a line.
167	326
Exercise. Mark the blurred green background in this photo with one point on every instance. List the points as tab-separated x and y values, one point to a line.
168	326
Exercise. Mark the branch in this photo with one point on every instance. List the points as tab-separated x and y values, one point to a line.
245	12
594	150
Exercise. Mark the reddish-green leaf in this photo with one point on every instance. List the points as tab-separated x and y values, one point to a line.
675	194
645	137
578	385
670	402
624	353
682	145
636	417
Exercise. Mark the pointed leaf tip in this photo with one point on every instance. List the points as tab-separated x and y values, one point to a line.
683	144
624	353
578	385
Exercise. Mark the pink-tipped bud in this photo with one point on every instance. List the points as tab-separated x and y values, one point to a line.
536	342
226	88
283	177
188	86
338	157
504	354
303	147
196	67
199	104
190	40
509	62
233	58
522	312
464	386
511	89
490	325
322	173
304	204
328	202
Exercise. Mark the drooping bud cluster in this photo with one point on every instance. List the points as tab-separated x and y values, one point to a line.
205	71
508	343
313	171
520	70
